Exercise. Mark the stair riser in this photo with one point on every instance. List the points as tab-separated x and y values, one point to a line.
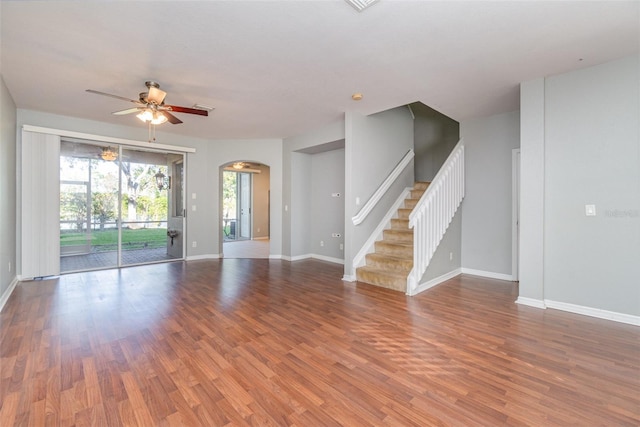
403	236
381	280
410	203
421	186
404	213
416	194
400	224
390	264
394	250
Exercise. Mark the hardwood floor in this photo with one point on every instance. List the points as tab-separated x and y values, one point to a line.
271	343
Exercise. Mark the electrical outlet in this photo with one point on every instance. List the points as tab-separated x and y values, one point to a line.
321	242
193	208
341	246
9	266
258	229
450	256
193	196
194	244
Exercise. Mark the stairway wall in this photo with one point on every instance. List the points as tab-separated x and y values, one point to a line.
451	244
435	135
374	145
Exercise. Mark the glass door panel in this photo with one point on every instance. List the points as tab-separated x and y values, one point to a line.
145	207
88	208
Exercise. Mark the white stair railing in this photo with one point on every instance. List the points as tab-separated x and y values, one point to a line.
433	213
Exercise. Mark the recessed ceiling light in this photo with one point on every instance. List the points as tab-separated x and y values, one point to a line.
360	5
356	96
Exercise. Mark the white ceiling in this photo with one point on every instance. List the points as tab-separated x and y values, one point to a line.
275	69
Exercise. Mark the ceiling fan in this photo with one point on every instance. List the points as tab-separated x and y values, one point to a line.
151	108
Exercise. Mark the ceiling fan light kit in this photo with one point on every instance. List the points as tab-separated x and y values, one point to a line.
151	108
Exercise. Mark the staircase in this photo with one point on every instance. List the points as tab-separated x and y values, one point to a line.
390	264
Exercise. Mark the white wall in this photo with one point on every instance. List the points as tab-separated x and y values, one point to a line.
8	225
203	174
592	156
486	208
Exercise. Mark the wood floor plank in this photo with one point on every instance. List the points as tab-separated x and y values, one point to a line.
239	342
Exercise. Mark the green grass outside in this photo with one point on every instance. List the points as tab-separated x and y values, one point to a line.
108	239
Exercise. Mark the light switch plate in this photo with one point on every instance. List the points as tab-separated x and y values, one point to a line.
590	210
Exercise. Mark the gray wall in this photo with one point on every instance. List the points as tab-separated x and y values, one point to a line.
203	174
486	208
327	212
8	225
435	135
447	256
592	156
294	218
374	145
300	205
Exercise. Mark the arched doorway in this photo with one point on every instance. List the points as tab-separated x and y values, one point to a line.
245	205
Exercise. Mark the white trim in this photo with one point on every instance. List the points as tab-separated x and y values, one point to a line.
594	312
349	278
313	256
531	302
277	257
328	259
261	238
8	292
515	212
375	198
206	256
367	247
488	274
121	141
434	282
299	257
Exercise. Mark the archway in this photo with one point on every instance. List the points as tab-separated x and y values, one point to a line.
244	208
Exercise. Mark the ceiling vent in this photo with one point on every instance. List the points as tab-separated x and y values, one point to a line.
360	5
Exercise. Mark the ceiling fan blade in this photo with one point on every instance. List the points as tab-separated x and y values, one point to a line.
128	111
113	96
171	118
177	109
156	95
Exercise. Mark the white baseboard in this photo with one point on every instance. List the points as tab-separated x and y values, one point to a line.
277	257
314	256
328	259
531	302
433	282
5	296
594	312
200	257
348	278
488	274
261	238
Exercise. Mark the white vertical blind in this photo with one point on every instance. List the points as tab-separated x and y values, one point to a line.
40	194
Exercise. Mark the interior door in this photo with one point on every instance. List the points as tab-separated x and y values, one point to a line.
244	198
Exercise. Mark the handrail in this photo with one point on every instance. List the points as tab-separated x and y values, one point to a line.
386	184
434	211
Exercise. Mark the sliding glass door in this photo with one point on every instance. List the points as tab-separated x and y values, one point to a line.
116	205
